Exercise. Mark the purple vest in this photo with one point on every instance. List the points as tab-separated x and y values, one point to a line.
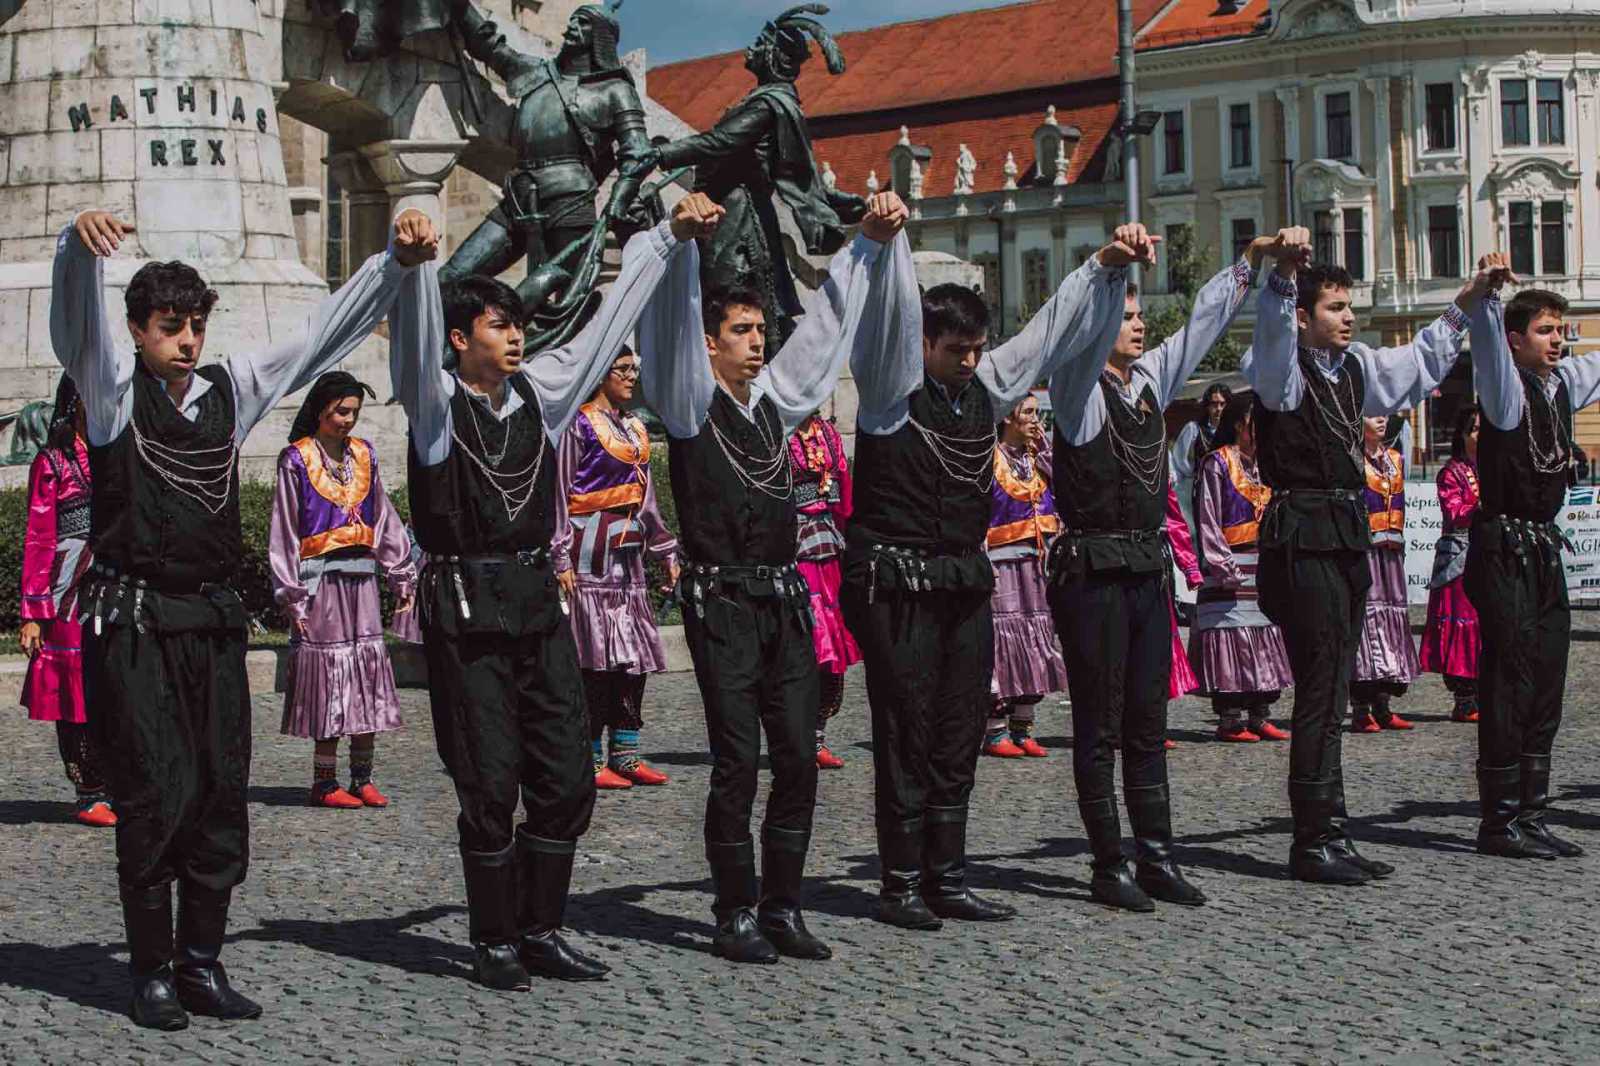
334	516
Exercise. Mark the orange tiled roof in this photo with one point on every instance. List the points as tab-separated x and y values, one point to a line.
1199	22
854	155
987	52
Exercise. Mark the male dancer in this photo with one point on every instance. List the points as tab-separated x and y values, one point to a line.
1315	384
917	581
1514	574
503	676
164	647
1109	588
747	609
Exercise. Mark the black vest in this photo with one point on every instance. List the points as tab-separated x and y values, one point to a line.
722	521
147	528
904	496
1507	478
455	506
1301	450
1094	490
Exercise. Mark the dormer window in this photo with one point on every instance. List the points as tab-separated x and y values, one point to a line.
1052	143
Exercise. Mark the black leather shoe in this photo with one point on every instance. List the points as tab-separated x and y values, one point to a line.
783	863
1535	800
944	870
1165	881
147	918
1150	815
1323	866
544	875
1345	848
1111	882
202	981
1115	887
1501	831
548	955
739	939
900	864
1312	856
155	1003
499	966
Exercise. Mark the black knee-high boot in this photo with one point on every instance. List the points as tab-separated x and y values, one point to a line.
544	870
1535	800
733	875
1499	830
1339	841
944	870
147	918
1112	882
783	865
900	872
1312	856
203	986
1150	815
491	878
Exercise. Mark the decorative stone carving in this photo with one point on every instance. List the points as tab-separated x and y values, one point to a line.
1011	170
829	178
1061	163
872	182
966	171
914	188
1324	20
1529	62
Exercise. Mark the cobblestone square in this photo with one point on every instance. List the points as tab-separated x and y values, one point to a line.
351	929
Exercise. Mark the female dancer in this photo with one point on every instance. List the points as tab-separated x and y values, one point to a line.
1386	660
1450	639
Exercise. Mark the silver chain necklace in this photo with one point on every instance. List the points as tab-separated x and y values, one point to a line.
764	473
969	460
1145	463
1345	425
210	484
1557	458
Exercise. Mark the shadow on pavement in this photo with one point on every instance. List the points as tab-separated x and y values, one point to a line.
377	941
280	795
86	974
682	758
618	912
35	812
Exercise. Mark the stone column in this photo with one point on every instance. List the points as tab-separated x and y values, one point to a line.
1479	148
1289	100
1383	232
1586	84
413	172
367	231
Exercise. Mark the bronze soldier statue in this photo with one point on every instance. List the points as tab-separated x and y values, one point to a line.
371	29
577	117
758	148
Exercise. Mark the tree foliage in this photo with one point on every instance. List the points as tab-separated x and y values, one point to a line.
1188	268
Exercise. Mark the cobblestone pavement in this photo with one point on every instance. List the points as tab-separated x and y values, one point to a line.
351	928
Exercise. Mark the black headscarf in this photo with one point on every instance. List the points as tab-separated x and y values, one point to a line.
63	419
334	385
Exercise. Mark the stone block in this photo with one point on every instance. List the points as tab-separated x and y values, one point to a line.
260	56
25	384
14	328
174	206
52	157
115	13
118	158
74	12
220	245
24	107
240	323
266	210
67	201
129	52
63	53
260	246
247	155
27	249
237	14
34	15
96	93
8	43
40	353
5	160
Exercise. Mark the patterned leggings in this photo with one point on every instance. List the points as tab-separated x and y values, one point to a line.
831	687
79	756
615	700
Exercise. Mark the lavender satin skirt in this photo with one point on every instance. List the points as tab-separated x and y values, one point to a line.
340	681
1240	659
1027	655
1384	651
613	623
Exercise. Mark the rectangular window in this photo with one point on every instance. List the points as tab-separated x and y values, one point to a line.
1522	238
1244	231
1172	142
1036	288
333	235
1239	136
1355	244
1552	112
1553	237
1444	241
1323	238
989	263
1180	257
1341	133
1514	112
1441	103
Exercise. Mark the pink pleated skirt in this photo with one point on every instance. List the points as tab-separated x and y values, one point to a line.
340	680
1384	651
613	623
835	648
52	691
1027	654
1450	644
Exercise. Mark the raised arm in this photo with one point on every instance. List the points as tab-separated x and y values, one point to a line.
1215	306
859	315
79	330
1077	325
1494	374
564	378
1272	365
887	362
485	43
341	321
416	364
674	369
1582	375
740	128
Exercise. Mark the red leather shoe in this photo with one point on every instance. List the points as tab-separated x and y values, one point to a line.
606	777
1002	749
97	814
1464	714
1395	722
642	773
1236	735
369	795
827	760
1365	723
1268	731
1033	749
1169	744
334	797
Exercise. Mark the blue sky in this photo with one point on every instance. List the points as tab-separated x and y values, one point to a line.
683	29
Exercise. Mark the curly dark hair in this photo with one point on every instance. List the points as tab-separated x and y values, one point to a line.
173	286
956	309
723	297
1318	276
